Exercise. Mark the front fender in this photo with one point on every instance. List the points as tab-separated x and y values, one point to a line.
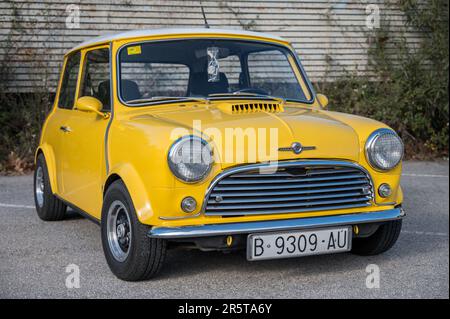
49	155
137	190
400	195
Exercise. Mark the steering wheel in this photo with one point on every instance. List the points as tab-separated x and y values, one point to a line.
252	90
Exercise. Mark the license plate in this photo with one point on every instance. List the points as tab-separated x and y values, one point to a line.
298	243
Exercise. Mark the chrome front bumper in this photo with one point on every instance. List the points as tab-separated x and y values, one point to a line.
274	225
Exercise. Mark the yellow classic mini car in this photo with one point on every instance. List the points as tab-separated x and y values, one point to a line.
212	139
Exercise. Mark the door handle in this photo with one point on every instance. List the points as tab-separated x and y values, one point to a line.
65	129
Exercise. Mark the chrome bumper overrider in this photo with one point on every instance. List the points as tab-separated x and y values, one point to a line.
274	225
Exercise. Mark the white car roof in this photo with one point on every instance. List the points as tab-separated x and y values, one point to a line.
171	31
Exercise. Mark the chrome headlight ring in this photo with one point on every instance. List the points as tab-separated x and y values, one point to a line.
190	158
384	150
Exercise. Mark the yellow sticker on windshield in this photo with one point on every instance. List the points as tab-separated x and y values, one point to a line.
134	50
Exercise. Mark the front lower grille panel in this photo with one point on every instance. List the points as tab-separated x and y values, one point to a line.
290	189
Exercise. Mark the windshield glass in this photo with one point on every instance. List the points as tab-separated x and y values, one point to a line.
204	68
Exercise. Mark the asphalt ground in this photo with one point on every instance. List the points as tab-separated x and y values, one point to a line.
34	256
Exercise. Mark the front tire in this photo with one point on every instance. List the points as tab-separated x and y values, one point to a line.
130	253
381	241
48	206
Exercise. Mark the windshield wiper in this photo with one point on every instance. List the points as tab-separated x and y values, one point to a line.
169	98
235	93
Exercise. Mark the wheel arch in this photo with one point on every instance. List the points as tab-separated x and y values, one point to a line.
111	179
49	157
136	188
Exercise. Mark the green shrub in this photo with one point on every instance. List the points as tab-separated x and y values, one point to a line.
21	119
411	95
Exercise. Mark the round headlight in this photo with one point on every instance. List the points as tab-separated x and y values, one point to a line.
384	149
190	159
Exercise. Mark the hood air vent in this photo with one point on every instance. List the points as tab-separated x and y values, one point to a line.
256	107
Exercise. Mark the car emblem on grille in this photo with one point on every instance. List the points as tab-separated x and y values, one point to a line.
297	148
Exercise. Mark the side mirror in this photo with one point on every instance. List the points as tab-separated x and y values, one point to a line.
90	104
323	100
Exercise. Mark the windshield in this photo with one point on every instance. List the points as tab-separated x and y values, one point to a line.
204	68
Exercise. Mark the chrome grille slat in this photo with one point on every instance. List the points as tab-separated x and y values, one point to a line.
289	204
295	192
324	172
294	187
261	187
233	181
285	211
294	198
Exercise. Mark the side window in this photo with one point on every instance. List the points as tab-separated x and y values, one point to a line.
95	78
69	82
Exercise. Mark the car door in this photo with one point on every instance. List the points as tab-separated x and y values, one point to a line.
56	126
84	166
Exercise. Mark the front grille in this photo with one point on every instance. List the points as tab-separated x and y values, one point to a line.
292	188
